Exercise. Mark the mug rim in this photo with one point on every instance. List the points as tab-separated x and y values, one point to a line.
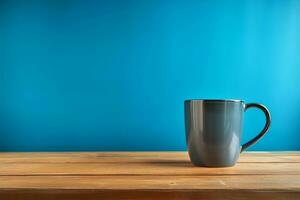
215	100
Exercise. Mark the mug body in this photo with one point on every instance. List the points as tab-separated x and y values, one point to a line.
213	131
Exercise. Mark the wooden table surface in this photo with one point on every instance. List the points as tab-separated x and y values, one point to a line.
146	175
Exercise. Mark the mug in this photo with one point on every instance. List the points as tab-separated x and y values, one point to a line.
214	129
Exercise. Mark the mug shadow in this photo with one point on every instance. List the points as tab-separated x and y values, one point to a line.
171	163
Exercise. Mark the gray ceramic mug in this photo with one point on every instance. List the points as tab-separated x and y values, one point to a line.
214	129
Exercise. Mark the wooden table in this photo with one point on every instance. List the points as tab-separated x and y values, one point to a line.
146	175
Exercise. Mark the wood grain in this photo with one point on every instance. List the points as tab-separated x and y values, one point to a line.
147	195
266	182
147	175
150	168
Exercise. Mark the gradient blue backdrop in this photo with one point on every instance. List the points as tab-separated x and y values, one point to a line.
113	75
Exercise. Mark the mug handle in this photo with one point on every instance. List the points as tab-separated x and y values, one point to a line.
266	127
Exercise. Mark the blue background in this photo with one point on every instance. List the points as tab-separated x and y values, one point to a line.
113	75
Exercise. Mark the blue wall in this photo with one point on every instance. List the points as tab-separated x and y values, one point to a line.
113	75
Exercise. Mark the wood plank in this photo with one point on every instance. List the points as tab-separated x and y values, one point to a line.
149	168
147	195
125	157
246	182
147	175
